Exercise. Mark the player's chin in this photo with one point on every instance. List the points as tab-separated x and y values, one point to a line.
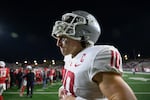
64	53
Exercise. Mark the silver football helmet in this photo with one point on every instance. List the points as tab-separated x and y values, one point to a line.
29	67
2	64
78	25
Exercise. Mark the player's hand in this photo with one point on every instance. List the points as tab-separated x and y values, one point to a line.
68	97
61	93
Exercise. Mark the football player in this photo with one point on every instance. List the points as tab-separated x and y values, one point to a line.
92	72
38	75
24	82
52	75
4	75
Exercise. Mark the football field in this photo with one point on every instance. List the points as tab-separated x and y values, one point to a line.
140	83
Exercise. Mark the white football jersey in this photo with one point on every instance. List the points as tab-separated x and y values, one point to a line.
80	70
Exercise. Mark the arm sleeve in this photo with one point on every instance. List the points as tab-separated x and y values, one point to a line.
107	60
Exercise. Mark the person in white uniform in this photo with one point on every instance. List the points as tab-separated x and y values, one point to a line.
92	72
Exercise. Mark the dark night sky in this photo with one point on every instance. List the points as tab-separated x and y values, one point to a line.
25	26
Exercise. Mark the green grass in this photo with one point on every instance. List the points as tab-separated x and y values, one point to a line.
35	97
140	87
49	93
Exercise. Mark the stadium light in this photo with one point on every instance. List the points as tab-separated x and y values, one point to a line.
44	60
139	55
126	57
53	62
35	61
17	63
25	62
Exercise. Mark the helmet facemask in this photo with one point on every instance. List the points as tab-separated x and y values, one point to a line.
68	25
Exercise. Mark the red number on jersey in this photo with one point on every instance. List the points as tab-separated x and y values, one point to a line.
69	82
115	59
